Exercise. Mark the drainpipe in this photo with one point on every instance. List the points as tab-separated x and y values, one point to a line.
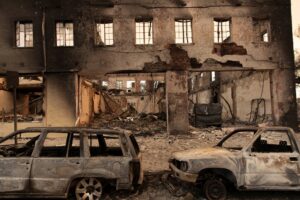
44	39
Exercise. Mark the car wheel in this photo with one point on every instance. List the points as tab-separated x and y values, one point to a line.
88	189
215	189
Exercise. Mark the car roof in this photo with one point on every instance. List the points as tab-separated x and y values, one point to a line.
76	130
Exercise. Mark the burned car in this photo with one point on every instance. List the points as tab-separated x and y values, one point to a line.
67	162
247	158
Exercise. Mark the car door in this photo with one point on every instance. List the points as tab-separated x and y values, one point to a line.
272	161
57	162
109	158
16	161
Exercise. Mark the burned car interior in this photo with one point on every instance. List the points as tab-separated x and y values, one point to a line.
272	142
20	145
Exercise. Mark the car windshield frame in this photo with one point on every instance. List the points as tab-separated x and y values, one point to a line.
236	131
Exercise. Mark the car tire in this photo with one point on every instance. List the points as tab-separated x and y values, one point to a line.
215	189
88	188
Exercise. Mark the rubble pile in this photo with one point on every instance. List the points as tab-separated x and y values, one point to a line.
140	124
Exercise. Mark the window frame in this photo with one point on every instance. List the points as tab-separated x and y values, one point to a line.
64	22
20	132
100	22
23	21
217	32
184	30
87	144
144	21
68	143
260	132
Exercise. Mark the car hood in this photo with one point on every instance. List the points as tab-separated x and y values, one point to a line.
201	153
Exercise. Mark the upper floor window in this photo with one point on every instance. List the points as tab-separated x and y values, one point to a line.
144	32
119	85
64	34
105	33
262	30
183	31
24	34
222	30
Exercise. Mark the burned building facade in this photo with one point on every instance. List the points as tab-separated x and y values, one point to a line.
238	53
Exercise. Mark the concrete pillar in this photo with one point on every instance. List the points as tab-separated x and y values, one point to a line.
60	96
177	102
283	96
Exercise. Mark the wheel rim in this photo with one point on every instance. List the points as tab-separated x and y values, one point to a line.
216	190
88	189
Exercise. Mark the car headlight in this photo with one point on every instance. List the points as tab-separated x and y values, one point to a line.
184	166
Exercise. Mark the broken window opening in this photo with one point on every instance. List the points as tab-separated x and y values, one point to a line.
213	76
273	142
183	31
105	33
130	86
104	84
238	140
119	85
55	145
24	34
222	30
262	30
144	32
265	37
64	34
19	145
104	145
143	86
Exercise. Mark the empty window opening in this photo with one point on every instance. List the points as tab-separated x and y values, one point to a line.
104	145
273	142
183	31
104	84
265	37
262	30
105	33
213	76
144	32
222	30
19	145
238	140
119	85
24	34
143	86
55	145
64	34
130	86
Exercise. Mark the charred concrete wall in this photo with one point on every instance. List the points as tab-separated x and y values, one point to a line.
89	59
93	61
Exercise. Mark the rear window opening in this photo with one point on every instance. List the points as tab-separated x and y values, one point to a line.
105	145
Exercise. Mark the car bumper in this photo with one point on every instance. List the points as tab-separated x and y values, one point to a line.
184	176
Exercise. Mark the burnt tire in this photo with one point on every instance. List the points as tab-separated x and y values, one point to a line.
215	189
88	189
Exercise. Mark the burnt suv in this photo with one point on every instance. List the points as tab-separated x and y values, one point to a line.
247	158
67	162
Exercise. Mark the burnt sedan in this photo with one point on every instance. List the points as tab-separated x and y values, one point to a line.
67	162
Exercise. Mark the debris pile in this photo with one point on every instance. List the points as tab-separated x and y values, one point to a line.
140	124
